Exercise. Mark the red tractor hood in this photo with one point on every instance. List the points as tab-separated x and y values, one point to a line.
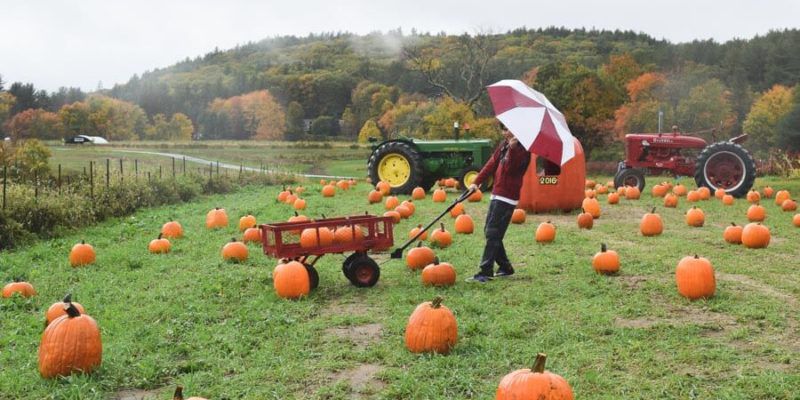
666	140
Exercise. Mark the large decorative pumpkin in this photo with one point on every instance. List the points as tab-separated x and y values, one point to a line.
374	196
413	233
234	251
418	193
438	274
755	236
439	196
670	200
432	328
70	344
753	196
179	395
419	257
312	237
252	235
464	224
172	230
60	308
781	196
695	217
518	216
159	245
591	206
216	218
82	254
248	221
24	289
585	220
328	191
534	384
545	232
756	213
606	261
695	278
441	238
651	224
733	234
291	280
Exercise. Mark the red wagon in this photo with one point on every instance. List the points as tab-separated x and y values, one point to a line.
282	240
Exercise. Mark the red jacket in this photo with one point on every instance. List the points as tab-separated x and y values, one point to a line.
507	165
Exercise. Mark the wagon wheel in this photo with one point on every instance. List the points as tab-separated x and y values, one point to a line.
346	264
727	166
313	276
363	271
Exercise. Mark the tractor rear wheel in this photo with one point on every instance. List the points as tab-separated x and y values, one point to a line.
725	165
398	164
629	177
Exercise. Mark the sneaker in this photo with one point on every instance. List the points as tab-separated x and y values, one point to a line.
479	278
504	272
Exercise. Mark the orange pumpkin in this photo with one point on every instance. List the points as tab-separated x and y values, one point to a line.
347	234
670	200
632	193
518	217
82	254
545	232
695	217
695	278
70	343
299	204
404	211
613	198
705	192
464	224
606	261
789	205
659	190
796	220
439	196
234	251
432	328
291	198
216	218
451	182
410	205
328	191
374	196
282	195
291	280
438	274
755	236
753	196
159	246
391	203
252	235
172	230
441	238
585	220
590	184
720	193
58	309
651	224
179	395
476	196
781	196
384	188
756	213
693	196
621	190
733	234
343	184
457	210
418	193
588	193
248	221
299	190
728	200
591	206
419	257
24	289
768	192
319	236
413	233
534	384
601	189
679	190
396	217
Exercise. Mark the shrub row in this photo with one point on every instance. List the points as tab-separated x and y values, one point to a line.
51	214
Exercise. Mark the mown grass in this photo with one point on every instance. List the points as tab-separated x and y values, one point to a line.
219	330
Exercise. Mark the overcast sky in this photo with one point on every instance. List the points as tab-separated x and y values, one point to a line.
82	42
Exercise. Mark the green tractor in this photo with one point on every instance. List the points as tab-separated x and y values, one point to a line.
407	163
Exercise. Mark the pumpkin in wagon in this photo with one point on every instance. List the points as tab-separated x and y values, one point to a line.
318	236
432	328
70	344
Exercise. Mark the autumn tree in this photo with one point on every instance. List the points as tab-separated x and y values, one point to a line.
104	116
7	101
766	113
294	121
370	129
707	106
35	124
31	159
178	128
255	115
789	126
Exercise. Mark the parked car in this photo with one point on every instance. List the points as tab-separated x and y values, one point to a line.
83	139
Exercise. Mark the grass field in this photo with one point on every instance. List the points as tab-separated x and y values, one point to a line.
187	318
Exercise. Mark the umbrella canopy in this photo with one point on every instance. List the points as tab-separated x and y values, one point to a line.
533	120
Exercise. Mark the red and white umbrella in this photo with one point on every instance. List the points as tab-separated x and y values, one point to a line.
533	120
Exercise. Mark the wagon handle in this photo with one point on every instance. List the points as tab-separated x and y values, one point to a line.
398	252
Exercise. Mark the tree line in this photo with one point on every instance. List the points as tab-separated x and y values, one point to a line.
383	84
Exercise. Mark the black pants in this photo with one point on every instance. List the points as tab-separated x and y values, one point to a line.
497	221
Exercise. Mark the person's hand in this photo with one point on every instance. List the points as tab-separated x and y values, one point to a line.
513	141
473	187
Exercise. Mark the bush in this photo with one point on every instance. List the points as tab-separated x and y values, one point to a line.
11	232
48	215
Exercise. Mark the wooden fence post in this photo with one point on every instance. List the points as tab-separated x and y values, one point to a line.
184	165
108	172
121	172
211	171
173	168
136	168
91	180
59	178
35	184
5	178
159	171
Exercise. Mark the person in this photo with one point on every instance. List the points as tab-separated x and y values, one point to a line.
507	166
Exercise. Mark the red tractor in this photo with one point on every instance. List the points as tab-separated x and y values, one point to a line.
725	164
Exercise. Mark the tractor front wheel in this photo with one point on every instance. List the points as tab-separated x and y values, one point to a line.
725	165
629	177
398	164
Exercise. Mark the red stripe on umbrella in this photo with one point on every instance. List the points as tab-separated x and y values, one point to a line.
505	98
548	141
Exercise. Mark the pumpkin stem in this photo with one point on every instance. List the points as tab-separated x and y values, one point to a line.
419	244
83	241
437	302
71	310
233	239
67	298
653	211
323	216
178	393
160	235
695	256
296	214
733	223
436	260
603	247
538	364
